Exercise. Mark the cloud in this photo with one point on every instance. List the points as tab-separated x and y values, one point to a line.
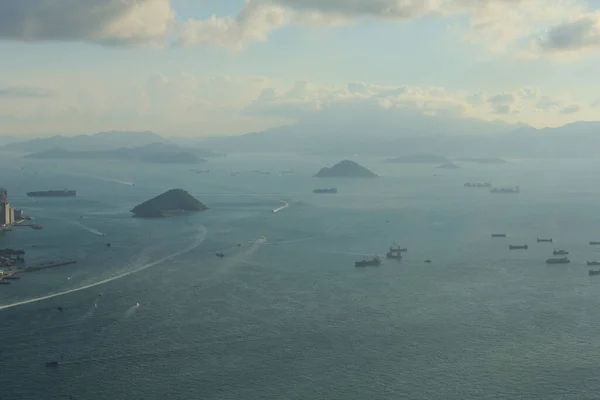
529	93
495	23
502	99
477	99
253	24
577	35
115	22
502	109
548	103
186	104
24	92
572	109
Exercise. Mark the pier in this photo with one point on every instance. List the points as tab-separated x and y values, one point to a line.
12	274
32	226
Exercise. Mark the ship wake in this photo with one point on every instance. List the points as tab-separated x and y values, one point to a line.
90	230
283	207
199	238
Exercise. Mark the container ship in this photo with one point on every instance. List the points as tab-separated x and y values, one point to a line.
325	191
53	193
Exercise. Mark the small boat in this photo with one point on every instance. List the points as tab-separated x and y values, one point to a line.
563	260
544	240
498	235
60	309
137	305
518	247
374	262
220	255
560	252
428	261
52	364
108	245
593	263
594	272
595	243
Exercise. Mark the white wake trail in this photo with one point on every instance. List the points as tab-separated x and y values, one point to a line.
91	230
283	207
201	237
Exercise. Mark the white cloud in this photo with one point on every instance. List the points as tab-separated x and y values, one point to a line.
548	103
253	24
118	22
185	104
572	109
498	24
502	99
581	33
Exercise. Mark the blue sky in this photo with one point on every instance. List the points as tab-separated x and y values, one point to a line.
201	67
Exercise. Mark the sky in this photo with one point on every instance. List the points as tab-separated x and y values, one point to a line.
204	67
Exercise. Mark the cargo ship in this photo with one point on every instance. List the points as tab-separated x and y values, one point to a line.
594	272
593	263
325	191
506	190
498	235
560	252
53	193
516	247
374	262
478	185
563	260
544	240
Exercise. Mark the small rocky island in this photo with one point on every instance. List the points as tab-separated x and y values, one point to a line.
175	201
346	169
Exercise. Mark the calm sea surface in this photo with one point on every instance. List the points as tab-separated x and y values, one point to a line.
290	317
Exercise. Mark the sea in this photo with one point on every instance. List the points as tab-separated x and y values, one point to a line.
285	314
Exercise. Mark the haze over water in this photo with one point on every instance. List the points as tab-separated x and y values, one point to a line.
290	317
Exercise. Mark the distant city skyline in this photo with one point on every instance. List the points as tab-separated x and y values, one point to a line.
203	68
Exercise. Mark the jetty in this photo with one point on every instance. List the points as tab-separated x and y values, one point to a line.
12	274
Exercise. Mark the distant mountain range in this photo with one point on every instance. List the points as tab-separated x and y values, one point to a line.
140	146
157	153
97	141
473	139
379	134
